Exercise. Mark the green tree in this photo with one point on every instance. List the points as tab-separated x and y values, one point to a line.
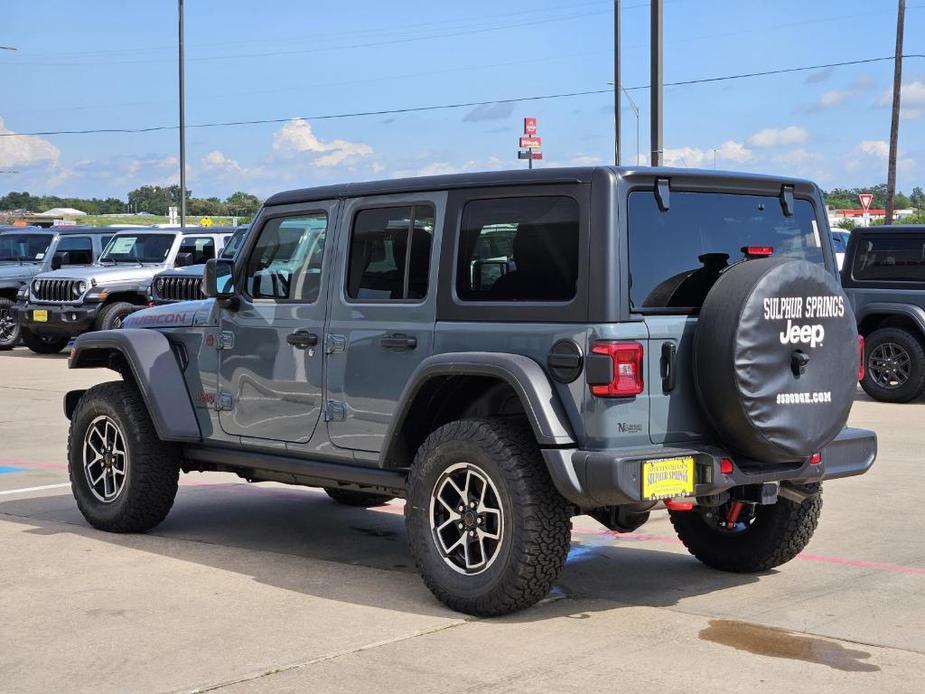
242	204
155	199
917	199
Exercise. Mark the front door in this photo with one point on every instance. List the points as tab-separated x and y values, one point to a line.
383	311
271	365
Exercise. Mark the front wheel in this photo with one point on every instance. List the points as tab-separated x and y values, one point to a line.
43	344
894	369
749	538
488	530
124	478
112	315
9	326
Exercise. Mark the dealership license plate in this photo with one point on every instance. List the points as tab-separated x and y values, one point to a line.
667	478
40	316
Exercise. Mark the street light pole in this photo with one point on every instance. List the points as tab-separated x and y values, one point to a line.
182	121
655	83
616	83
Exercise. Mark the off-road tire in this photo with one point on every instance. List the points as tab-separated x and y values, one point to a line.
111	316
12	339
778	533
349	497
914	385
537	527
40	344
153	465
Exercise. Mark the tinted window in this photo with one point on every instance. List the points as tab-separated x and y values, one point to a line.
891	258
677	255
285	263
138	248
233	243
390	253
201	247
23	246
78	248
518	249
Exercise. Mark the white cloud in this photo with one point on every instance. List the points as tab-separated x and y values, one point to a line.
217	161
912	94
297	136
585	160
25	149
834	97
779	137
695	157
874	148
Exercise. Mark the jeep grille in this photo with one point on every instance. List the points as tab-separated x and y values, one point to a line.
56	290
177	288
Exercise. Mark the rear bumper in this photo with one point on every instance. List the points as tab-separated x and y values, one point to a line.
63	320
592	479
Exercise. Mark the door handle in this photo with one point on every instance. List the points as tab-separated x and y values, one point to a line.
398	341
669	352
302	339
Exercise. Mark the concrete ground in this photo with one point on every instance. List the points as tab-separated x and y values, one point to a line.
249	588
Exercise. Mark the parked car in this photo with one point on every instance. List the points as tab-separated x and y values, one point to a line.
474	344
185	283
884	276
63	303
28	251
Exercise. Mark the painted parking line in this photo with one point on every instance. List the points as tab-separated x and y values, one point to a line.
6	469
25	490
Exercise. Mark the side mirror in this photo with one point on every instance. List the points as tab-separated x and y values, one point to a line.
219	278
183	260
60	258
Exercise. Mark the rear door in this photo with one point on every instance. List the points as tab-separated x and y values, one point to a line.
383	310
675	256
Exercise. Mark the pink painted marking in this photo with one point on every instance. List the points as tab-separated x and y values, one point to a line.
29	464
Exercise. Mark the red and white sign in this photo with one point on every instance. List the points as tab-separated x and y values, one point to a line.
529	126
865	198
531	142
536	155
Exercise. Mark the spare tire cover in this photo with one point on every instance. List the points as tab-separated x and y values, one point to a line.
776	359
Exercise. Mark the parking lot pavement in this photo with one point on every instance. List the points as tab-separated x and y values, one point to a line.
271	588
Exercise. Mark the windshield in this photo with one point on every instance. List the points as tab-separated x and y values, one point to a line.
234	243
29	247
676	255
138	248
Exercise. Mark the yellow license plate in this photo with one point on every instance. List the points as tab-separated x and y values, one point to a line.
40	316
667	478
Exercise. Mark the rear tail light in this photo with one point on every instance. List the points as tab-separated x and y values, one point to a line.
815	458
625	371
861	359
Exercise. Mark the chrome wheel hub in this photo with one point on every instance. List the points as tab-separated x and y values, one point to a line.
105	460
466	518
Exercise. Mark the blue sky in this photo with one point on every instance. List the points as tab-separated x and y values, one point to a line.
102	64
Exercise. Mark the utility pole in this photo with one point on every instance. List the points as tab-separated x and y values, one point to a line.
894	124
655	88
616	83
182	122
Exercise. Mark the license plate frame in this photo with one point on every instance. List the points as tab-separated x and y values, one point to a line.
667	478
40	316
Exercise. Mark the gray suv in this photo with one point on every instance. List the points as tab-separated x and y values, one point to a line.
28	251
504	351
64	303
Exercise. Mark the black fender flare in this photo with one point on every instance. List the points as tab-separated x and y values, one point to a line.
156	372
544	411
915	313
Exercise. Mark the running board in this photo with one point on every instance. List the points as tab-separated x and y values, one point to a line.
271	467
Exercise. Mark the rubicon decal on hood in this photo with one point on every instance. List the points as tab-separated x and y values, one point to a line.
797	308
146	319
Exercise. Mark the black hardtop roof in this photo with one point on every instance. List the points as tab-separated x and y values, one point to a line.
893	229
577	174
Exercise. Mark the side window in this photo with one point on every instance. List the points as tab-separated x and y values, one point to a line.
390	253
285	263
78	248
518	249
104	241
202	248
890	258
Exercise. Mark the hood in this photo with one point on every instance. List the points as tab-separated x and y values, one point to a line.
18	272
187	271
104	274
184	314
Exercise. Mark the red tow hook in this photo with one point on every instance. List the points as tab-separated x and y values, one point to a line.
732	515
679	505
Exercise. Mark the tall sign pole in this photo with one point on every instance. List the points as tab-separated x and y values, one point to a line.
530	143
894	124
655	82
182	122
616	83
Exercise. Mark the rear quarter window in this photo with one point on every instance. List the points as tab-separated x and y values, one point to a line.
890	259
677	255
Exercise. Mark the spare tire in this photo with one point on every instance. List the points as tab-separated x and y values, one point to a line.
775	359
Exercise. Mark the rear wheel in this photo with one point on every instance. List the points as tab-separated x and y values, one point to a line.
111	316
42	344
749	538
350	497
894	369
9	326
487	528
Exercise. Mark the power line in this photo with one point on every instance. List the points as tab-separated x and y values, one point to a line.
467	104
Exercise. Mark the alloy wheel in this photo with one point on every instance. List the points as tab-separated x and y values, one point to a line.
889	365
105	460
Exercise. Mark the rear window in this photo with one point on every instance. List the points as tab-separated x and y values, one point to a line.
677	255
890	258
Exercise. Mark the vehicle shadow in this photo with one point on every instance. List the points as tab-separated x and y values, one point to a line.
233	527
26	353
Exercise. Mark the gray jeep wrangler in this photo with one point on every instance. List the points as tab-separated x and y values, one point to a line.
505	351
